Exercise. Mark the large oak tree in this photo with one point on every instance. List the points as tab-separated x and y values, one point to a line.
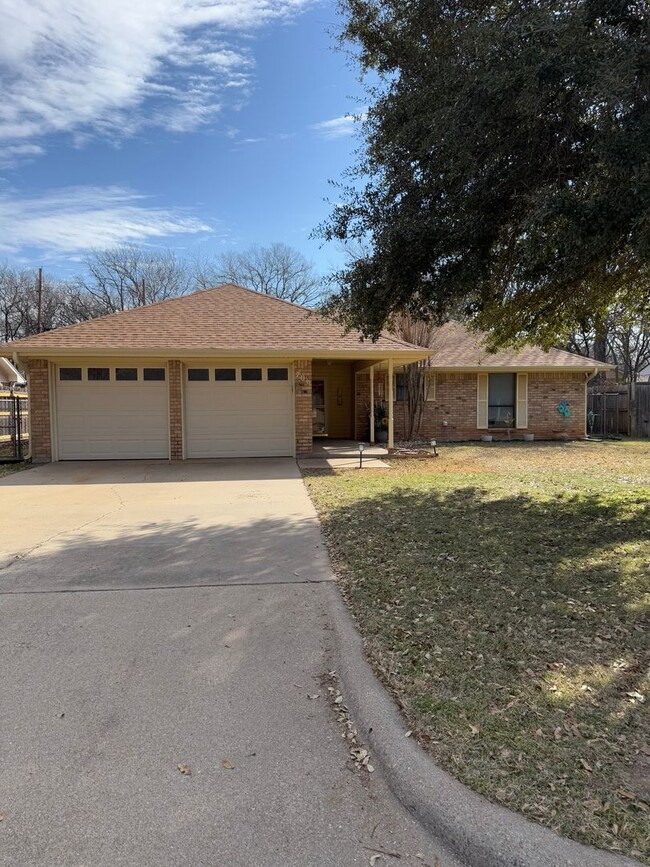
505	163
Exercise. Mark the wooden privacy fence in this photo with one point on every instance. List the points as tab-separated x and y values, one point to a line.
619	412
14	426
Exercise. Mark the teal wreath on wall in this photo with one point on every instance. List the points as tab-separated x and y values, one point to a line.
564	409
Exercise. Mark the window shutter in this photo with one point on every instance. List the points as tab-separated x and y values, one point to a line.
482	400
522	400
430	386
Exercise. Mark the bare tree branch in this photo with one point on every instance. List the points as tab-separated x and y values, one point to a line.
277	270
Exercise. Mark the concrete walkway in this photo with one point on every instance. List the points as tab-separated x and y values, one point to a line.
152	616
344	454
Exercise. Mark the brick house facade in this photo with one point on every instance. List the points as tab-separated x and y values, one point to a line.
303	406
38	388
228	372
451	413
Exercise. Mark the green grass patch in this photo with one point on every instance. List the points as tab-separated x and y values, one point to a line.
503	594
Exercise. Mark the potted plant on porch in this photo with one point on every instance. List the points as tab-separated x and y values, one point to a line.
381	422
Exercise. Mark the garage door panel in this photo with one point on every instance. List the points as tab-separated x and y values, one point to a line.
239	419
100	421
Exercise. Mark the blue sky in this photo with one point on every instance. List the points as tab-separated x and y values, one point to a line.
200	125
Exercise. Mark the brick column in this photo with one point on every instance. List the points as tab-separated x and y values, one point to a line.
175	410
38	388
302	396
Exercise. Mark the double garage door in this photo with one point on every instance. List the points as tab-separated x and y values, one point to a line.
123	412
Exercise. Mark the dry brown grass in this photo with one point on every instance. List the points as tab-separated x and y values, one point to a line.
503	593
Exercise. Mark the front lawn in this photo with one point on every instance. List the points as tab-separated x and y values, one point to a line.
502	591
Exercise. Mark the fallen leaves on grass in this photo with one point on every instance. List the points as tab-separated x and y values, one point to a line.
501	594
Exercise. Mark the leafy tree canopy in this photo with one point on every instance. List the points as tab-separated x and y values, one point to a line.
505	169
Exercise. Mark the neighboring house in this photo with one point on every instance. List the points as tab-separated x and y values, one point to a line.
10	376
228	372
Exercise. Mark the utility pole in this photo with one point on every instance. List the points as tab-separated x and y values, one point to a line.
39	315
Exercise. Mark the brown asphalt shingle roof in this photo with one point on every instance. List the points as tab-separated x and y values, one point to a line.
455	346
227	318
233	319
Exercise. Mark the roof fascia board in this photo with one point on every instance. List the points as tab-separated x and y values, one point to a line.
162	353
518	368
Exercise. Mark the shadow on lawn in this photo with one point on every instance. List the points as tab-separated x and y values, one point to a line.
508	612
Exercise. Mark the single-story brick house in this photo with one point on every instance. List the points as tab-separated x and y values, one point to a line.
228	372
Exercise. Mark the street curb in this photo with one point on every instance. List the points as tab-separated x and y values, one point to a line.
478	832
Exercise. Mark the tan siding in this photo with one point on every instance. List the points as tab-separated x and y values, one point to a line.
339	395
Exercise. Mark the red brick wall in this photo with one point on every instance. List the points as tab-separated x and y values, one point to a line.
175	410
303	399
38	388
455	404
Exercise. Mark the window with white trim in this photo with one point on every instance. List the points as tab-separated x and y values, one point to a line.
70	374
198	374
99	374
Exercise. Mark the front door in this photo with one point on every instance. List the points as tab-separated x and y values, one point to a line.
319	427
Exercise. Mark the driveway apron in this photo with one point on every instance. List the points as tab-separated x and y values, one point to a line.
166	638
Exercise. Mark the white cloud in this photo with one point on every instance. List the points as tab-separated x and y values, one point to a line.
79	218
109	67
336	127
10	155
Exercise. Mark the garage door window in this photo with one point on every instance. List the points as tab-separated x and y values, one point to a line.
277	374
126	374
198	374
70	374
153	374
251	374
225	374
99	374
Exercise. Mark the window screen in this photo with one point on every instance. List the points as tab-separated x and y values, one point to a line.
501	400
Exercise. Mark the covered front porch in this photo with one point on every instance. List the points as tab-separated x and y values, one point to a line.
351	401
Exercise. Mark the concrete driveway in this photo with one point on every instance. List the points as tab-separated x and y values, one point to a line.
153	615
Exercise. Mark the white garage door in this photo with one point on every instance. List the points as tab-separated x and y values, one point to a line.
112	412
238	412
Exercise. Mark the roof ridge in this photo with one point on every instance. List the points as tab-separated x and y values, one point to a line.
265	295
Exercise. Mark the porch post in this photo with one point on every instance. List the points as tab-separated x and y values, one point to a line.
391	438
372	403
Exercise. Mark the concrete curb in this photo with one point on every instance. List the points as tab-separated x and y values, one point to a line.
480	833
